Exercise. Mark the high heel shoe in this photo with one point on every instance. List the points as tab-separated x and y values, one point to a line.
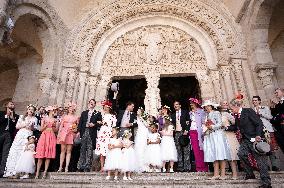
59	170
66	170
36	177
44	175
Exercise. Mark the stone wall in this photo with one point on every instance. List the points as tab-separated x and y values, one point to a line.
8	81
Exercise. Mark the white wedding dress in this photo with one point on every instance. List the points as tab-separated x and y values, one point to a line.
141	144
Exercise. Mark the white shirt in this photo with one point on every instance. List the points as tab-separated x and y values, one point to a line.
193	125
178	125
125	119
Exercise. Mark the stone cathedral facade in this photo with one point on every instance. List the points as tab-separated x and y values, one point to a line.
71	50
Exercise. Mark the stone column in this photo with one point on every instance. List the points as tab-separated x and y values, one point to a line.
265	73
93	82
82	84
206	86
215	76
45	87
72	76
238	72
225	74
103	86
3	7
152	99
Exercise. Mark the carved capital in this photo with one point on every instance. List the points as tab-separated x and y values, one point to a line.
271	65
266	76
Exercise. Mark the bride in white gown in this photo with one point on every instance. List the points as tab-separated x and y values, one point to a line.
141	141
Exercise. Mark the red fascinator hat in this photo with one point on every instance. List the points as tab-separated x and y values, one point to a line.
107	104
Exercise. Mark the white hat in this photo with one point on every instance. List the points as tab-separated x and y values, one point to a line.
209	103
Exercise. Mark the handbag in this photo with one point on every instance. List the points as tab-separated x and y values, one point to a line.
77	140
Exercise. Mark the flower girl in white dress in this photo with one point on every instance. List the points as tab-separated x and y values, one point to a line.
153	150
168	147
26	162
129	161
114	155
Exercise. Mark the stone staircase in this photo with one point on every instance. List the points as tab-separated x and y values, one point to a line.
147	180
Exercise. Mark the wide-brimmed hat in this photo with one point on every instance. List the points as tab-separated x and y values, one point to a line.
209	103
261	147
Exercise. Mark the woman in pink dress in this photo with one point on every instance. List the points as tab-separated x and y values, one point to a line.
66	135
109	121
46	147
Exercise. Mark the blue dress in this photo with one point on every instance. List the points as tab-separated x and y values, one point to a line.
216	146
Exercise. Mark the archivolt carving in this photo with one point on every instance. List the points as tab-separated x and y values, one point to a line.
196	12
164	48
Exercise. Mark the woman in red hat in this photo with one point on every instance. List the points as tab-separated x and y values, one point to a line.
104	134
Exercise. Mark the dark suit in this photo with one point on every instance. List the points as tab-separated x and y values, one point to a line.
6	137
132	119
250	126
88	139
183	163
278	117
96	116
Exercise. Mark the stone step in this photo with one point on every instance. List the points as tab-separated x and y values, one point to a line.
31	183
165	180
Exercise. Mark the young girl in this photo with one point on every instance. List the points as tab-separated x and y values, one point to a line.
128	160
168	147
26	162
114	155
153	150
46	147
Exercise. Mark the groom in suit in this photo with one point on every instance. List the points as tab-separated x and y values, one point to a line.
89	123
126	119
181	122
251	128
8	121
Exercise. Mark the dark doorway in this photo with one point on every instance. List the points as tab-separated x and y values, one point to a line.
130	90
178	88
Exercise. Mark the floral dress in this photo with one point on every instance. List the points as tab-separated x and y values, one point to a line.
104	134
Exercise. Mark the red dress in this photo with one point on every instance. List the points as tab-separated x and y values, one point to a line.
46	147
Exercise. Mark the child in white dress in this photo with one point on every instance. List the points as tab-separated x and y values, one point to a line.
26	162
128	162
168	147
153	150
114	155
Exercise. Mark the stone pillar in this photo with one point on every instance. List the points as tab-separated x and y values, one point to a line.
81	92
72	76
93	82
238	72
206	86
225	74
152	99
215	76
266	73
62	88
3	7
103	86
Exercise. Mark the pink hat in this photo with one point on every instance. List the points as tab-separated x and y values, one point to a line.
196	101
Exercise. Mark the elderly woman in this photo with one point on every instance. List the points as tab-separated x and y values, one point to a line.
228	120
216	147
